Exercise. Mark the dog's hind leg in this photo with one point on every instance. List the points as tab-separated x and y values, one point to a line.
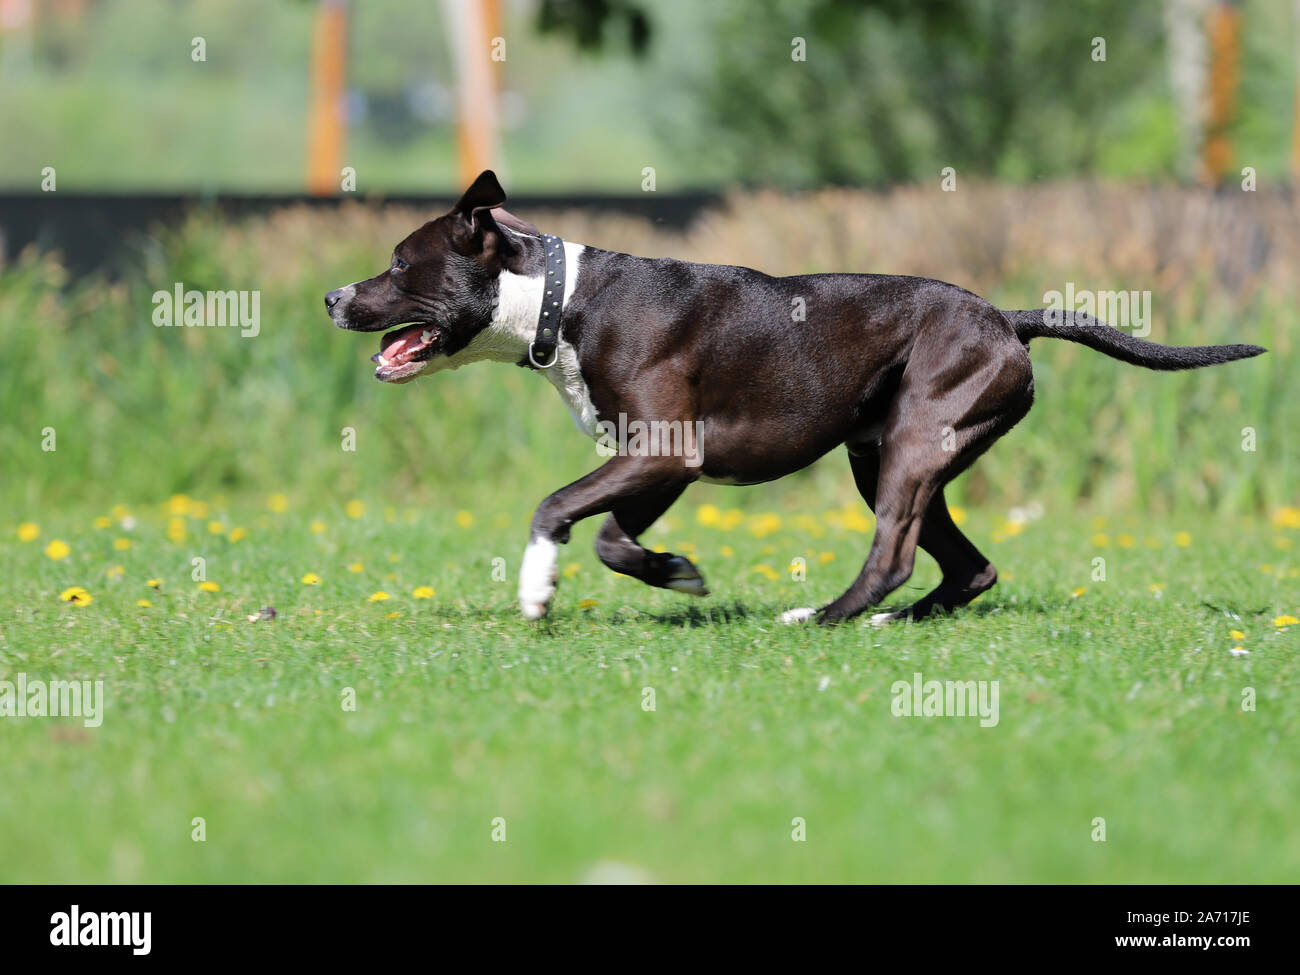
952	404
617	547
966	572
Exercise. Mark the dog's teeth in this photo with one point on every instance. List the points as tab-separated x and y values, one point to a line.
427	335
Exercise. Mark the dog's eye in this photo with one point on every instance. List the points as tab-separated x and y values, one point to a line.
399	265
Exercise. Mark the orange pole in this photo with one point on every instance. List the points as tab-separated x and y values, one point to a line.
472	24
326	125
1225	73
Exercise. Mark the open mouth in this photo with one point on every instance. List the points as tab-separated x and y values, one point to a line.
404	351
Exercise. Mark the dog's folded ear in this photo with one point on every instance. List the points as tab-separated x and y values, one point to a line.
484	194
505	218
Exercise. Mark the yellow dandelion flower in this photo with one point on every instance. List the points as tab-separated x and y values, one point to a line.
279	503
378	597
57	549
708	514
727	551
1266	568
216	528
311	579
1076	593
395	615
767	572
1182	539
102	522
424	592
317	527
176	529
237	534
587	604
115	572
1236	635
1014	528
957	514
1285	621
1126	541
571	570
826	557
856	521
1287	517
28	531
356	567
154	583
354	508
760	526
77	596
143	603
209	587
177	504
464	519
1100	540
731	518
121	544
1157	587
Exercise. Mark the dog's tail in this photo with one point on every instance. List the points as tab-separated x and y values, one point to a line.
1095	334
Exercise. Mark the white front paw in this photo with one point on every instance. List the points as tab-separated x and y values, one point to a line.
537	575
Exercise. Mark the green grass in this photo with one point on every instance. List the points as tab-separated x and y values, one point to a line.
1121	702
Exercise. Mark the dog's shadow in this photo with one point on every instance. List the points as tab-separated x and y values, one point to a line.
700	615
718	615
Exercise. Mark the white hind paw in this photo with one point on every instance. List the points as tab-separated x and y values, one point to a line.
792	616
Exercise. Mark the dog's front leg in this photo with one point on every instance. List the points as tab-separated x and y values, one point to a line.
621	477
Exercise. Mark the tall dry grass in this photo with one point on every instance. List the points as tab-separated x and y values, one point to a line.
150	411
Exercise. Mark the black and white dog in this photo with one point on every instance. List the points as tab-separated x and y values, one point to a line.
915	377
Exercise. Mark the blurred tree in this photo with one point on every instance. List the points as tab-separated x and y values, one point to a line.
585	21
849	91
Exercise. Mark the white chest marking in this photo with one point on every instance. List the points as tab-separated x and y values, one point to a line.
514	324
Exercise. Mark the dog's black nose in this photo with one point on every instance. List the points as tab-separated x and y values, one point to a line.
332	298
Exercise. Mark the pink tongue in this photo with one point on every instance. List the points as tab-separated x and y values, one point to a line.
407	340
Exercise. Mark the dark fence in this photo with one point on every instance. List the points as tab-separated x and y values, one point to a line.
92	231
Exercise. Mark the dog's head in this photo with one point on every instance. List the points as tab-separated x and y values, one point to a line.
440	290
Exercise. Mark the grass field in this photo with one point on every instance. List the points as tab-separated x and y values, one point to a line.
1162	699
1118	699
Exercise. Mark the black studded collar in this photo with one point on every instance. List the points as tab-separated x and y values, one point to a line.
542	351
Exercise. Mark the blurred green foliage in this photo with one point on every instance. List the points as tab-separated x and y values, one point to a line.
596	90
